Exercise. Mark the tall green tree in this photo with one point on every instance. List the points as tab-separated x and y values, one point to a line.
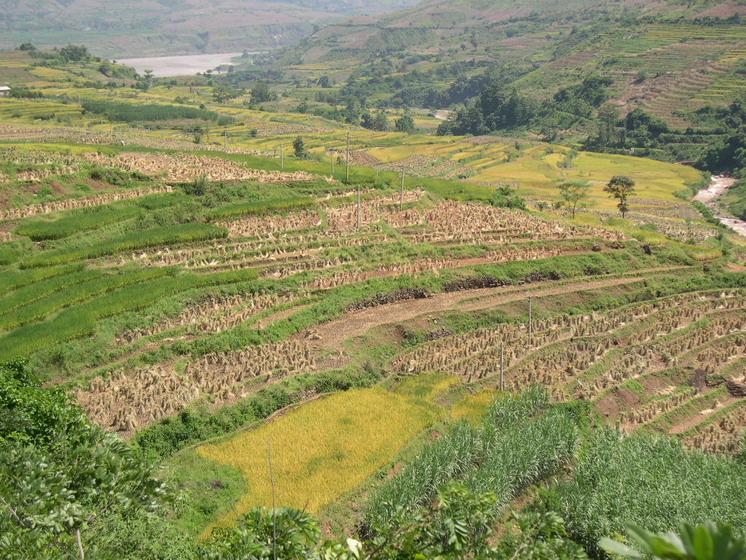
405	123
573	193
299	147
621	188
608	117
261	93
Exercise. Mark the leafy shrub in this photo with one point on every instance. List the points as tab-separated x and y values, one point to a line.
116	177
130	112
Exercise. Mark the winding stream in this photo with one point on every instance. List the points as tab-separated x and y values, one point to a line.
710	196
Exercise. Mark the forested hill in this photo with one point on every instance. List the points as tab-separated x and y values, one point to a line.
668	58
142	27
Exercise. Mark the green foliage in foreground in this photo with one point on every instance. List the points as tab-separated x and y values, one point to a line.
59	475
520	441
649	481
67	485
704	542
456	526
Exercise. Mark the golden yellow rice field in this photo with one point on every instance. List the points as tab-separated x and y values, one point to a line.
322	449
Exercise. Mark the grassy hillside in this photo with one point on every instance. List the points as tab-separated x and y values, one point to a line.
269	307
668	58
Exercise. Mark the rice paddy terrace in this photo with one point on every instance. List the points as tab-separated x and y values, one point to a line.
203	301
154	282
669	60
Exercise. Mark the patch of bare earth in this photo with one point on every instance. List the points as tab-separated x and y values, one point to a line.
333	334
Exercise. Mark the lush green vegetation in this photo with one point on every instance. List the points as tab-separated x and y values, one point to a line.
131	112
648	481
78	221
513	448
63	480
374	339
180	233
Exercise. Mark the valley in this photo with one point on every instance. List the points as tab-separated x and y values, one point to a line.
297	310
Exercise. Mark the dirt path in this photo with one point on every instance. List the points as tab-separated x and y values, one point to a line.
710	196
332	335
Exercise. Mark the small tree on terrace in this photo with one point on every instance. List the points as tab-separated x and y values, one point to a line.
380	122
621	188
300	148
74	53
405	123
261	93
573	193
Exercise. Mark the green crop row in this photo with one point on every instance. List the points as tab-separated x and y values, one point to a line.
75	222
647	480
45	287
521	440
87	219
76	292
12	280
260	207
131	112
163	235
81	320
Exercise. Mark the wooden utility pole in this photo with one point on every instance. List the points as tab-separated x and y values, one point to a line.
225	138
502	367
333	154
282	158
530	320
401	190
357	210
347	172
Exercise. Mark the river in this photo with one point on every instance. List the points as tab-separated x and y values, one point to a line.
183	65
710	196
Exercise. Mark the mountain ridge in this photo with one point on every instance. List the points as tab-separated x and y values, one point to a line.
147	27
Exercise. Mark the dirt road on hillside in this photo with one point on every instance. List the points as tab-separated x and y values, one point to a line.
332	335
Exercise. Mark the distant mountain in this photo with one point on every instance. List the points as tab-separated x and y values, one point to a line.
143	27
440	25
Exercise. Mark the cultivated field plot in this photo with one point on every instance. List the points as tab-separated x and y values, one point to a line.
171	289
319	438
300	256
208	279
680	358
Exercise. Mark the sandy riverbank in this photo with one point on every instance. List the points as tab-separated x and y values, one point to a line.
710	196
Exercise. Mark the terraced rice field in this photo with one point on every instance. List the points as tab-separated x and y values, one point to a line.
205	283
343	433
